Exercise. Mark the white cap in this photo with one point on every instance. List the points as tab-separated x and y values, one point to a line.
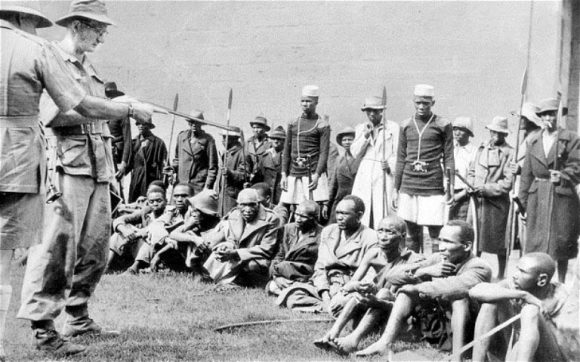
310	91
424	90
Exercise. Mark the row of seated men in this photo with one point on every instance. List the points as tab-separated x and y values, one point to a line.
352	272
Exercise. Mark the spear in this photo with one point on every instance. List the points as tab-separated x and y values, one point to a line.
225	163
385	204
167	181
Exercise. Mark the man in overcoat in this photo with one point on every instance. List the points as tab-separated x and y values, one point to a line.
371	139
463	152
270	164
547	190
196	158
342	180
235	170
243	244
491	175
258	144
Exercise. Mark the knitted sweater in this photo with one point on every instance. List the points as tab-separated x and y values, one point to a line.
436	146
312	142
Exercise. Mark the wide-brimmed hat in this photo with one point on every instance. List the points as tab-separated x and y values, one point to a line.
278	133
148	122
530	110
43	21
373	102
206	202
88	9
464	123
262	121
547	105
196	116
345	131
499	124
234	131
111	90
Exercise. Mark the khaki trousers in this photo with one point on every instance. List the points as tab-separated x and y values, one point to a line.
65	268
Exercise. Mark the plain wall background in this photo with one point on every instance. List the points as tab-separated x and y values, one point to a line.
474	53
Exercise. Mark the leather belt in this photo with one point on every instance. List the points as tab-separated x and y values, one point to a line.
81	129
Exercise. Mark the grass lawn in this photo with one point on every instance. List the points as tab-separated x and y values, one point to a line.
170	317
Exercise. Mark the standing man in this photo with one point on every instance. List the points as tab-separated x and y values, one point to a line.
547	190
235	171
344	172
368	145
196	158
426	141
306	154
66	268
491	175
258	144
146	164
463	151
270	164
121	132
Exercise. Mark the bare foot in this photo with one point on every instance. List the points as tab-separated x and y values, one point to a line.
348	343
323	342
378	348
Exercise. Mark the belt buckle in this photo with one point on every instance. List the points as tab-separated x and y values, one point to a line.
301	162
419	166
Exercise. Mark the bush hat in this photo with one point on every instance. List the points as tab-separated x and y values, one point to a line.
345	131
278	133
547	105
196	116
111	90
88	9
499	124
43	21
206	202
464	123
261	121
373	102
233	132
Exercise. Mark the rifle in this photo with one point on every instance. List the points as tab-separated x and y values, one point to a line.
247	183
225	176
471	187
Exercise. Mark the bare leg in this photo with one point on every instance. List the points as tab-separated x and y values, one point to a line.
5	293
401	310
562	270
486	320
529	334
434	235
351	307
415	233
459	320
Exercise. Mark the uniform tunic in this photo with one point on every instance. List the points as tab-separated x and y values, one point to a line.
490	171
368	183
553	211
28	65
196	160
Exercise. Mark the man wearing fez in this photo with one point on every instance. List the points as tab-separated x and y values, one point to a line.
425	141
147	159
376	142
70	275
258	144
306	154
463	152
196	158
235	170
547	190
490	174
121	132
270	164
243	244
345	171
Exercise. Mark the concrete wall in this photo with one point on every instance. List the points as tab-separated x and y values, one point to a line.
473	53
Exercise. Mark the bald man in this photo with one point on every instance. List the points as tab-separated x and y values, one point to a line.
297	248
243	244
373	299
531	293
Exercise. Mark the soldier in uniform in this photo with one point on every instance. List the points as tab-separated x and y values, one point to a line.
306	154
258	144
196	158
64	270
425	141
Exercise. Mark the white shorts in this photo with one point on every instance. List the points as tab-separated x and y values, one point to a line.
298	190
422	210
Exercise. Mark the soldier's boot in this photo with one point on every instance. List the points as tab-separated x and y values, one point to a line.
48	340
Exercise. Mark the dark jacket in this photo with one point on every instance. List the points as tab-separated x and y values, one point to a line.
313	143
296	256
342	181
237	176
196	160
146	165
269	171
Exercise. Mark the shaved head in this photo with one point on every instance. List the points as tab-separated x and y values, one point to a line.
541	263
309	208
396	222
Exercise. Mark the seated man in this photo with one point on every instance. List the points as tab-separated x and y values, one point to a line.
531	293
185	246
131	230
442	282
341	251
243	244
265	196
374	299
297	249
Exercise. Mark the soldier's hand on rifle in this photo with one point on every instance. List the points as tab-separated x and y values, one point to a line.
386	168
313	182
284	183
515	168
